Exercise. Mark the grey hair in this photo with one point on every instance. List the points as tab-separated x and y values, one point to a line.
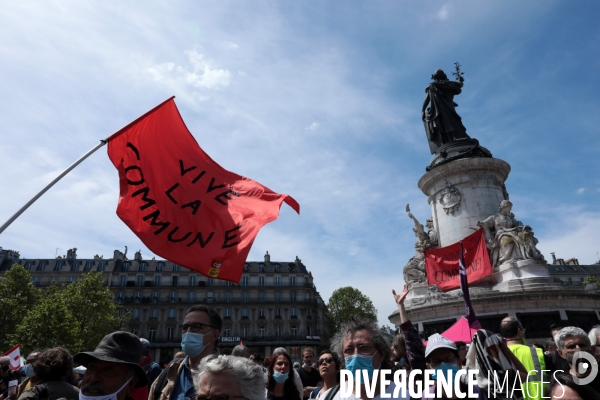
240	351
560	336
593	335
380	339
248	374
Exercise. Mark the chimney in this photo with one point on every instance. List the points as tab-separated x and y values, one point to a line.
267	257
553	258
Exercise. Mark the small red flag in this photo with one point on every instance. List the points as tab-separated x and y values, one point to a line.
442	264
184	206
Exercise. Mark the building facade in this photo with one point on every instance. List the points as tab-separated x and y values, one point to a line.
276	304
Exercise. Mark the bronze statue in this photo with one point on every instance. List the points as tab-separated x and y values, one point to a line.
442	123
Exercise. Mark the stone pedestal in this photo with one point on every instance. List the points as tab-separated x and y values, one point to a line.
524	275
463	192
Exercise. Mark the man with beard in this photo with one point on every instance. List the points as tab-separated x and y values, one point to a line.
113	369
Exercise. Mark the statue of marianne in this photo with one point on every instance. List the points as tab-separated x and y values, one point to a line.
442	123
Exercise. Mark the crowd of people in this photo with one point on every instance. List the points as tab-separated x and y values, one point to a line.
121	366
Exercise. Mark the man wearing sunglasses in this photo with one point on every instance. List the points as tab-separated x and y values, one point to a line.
199	338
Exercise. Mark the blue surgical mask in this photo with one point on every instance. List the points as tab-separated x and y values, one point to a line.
279	377
360	362
29	372
443	368
192	343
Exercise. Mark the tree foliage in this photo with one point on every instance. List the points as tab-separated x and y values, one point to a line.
589	280
18	295
347	302
75	316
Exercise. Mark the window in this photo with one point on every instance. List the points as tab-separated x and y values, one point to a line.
143	266
261	312
294	312
140	280
228	297
86	268
294	332
41	265
36	280
170	334
308	333
277	267
278	331
192	280
244	313
172	313
28	265
277	297
138	297
155	297
318	328
292	296
229	284
211	282
191	297
246	267
261	267
101	266
261	281
173	297
292	281
209	297
244	281
226	331
227	313
134	330
126	265
159	266
151	335
176	268
244	297
261	331
156	280
278	312
120	297
174	280
261	297
53	278
244	330
153	314
306	296
58	266
71	279
277	281
123	280
136	313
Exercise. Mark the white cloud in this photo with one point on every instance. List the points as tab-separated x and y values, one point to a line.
230	45
312	127
443	13
580	190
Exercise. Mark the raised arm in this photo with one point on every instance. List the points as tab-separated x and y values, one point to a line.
399	298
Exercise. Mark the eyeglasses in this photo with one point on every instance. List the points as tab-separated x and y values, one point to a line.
448	360
195	327
216	397
327	360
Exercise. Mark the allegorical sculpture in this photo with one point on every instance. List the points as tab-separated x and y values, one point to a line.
450	199
507	239
442	123
414	270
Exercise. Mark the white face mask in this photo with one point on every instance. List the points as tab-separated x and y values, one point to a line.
112	396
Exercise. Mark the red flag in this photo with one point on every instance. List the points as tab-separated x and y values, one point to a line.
184	206
442	264
14	355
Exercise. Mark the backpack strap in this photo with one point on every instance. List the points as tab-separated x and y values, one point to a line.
332	392
162	379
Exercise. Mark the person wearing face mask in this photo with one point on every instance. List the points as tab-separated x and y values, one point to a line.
113	369
532	358
31	379
441	356
570	340
51	368
199	338
280	380
365	348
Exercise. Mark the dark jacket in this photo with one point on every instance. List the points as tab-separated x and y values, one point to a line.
54	390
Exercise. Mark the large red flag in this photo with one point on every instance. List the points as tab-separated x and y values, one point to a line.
442	264
184	206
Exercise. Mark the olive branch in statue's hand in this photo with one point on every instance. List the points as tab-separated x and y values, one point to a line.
458	73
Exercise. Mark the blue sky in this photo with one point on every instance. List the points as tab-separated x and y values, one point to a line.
320	100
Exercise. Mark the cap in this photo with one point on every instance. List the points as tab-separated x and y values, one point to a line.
437	341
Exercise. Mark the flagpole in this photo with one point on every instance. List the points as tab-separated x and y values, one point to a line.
44	190
76	163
